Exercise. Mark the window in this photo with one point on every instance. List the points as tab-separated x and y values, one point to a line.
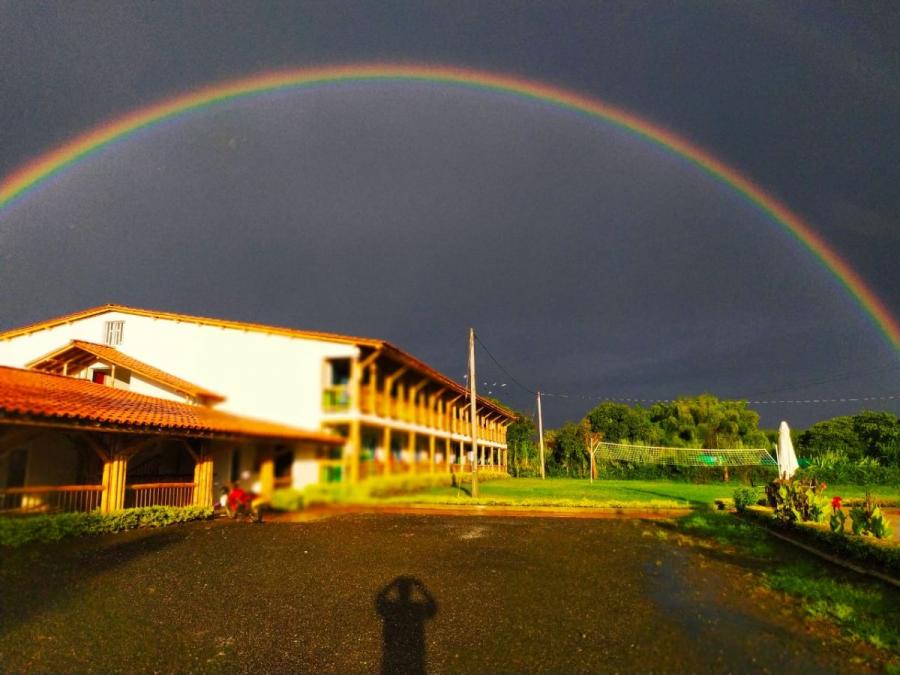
113	330
99	376
340	372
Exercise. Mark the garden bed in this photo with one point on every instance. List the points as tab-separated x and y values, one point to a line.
47	528
880	555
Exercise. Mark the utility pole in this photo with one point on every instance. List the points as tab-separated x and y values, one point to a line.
473	413
541	432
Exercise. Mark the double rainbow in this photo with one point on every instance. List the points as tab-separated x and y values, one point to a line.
32	175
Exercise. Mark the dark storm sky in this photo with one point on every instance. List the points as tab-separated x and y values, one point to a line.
589	262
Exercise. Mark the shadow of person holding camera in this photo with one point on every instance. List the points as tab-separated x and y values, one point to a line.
404	605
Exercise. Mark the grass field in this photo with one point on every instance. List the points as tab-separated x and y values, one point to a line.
610	493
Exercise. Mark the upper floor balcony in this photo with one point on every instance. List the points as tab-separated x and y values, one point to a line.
427	411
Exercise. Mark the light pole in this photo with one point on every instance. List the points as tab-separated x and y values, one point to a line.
473	413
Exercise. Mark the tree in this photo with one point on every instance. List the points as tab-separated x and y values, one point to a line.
705	421
879	435
836	435
520	443
567	448
619	422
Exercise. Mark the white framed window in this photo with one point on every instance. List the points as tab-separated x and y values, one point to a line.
113	332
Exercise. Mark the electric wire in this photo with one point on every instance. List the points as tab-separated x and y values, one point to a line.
631	399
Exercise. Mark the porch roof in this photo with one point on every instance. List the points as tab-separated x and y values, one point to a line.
54	400
83	353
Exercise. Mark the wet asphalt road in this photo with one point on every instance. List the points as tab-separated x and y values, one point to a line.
457	594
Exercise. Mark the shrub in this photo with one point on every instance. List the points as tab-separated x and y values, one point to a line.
47	528
836	522
795	500
753	475
744	497
835	468
287	499
868	519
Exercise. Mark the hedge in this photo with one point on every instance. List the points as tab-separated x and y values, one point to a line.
290	499
751	475
852	474
46	528
884	554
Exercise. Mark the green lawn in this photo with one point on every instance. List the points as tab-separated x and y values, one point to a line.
609	493
863	607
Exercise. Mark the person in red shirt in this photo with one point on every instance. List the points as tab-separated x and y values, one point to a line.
241	502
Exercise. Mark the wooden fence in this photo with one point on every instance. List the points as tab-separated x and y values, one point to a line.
50	498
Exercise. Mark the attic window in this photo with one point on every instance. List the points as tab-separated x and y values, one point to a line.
113	331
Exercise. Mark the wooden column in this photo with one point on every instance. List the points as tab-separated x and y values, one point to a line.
373	387
354	438
115	470
386	442
431	441
447	452
411	448
401	402
203	479
266	472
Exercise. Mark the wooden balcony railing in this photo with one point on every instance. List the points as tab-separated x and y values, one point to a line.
335	399
50	498
159	494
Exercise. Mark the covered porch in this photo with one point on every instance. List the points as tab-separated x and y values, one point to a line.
73	445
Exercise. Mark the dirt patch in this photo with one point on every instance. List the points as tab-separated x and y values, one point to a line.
535	594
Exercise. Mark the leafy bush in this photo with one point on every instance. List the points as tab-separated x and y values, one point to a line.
795	500
837	520
744	497
287	499
46	528
372	489
835	468
868	519
753	475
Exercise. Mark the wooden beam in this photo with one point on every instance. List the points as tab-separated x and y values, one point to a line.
98	446
370	359
388	385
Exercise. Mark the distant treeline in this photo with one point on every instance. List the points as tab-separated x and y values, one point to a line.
697	422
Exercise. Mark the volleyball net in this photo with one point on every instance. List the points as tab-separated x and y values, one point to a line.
648	454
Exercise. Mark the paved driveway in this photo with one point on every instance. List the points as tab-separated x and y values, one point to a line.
444	593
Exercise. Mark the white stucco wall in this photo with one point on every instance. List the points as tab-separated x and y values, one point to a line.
265	376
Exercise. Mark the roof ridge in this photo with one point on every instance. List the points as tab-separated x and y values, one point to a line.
148	370
179	316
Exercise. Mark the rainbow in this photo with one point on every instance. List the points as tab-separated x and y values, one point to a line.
37	172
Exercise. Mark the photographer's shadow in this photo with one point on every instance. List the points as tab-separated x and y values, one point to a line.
404	605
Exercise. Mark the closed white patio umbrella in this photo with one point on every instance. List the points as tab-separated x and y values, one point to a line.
787	459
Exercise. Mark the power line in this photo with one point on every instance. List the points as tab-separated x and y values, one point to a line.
505	371
808	401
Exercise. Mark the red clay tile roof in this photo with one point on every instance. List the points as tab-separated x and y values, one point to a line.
387	348
49	363
58	400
